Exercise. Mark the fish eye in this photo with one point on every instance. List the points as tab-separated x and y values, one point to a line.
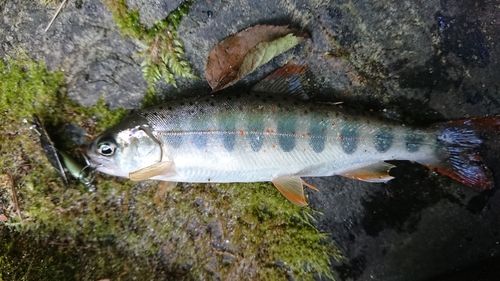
106	148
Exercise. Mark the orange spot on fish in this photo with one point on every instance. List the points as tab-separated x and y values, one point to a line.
241	133
308	134
215	114
264	151
304	150
273	146
293	133
322	130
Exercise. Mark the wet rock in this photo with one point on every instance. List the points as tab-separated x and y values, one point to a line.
430	60
84	42
152	11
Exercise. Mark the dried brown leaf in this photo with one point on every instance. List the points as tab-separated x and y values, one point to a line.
226	58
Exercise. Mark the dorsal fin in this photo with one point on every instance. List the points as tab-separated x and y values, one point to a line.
289	80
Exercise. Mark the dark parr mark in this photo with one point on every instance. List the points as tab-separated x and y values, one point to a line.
349	135
286	133
413	142
200	139
228	135
174	139
228	140
200	133
255	132
318	136
383	140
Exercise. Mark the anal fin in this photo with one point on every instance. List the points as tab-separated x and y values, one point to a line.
156	169
292	188
378	172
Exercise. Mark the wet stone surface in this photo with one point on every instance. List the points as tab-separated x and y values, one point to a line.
424	61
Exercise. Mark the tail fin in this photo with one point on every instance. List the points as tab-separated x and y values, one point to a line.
459	144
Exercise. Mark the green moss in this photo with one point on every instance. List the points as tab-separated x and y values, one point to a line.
163	51
28	88
126	230
240	230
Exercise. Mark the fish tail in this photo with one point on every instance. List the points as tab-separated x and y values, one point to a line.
459	148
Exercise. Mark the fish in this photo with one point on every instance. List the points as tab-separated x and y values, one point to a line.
273	133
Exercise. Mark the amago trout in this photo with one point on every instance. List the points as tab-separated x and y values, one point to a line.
258	136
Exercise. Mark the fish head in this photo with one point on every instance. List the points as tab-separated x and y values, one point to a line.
125	148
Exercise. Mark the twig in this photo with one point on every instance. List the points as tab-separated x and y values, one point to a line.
14	194
54	17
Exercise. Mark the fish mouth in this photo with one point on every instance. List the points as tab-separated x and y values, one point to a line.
91	157
95	164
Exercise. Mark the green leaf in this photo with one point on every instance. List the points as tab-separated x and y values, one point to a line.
265	51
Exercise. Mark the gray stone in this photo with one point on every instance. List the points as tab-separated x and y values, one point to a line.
425	60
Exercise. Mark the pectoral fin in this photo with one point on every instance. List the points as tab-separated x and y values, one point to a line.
156	169
292	188
378	172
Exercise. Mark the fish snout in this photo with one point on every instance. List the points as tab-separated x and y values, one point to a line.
92	155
